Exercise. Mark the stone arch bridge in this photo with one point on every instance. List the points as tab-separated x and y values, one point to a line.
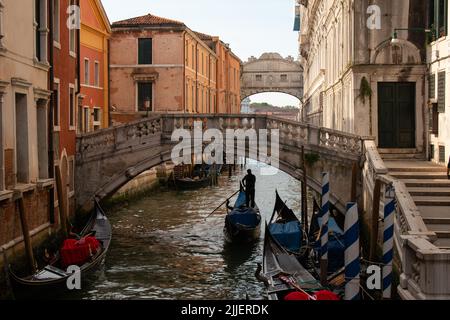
272	73
109	158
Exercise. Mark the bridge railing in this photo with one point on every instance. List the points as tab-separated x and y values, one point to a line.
98	143
423	267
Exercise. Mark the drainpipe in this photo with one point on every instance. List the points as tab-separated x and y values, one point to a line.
78	58
196	77
51	205
109	83
184	72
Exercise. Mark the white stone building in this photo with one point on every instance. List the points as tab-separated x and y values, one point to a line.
245	105
439	82
356	79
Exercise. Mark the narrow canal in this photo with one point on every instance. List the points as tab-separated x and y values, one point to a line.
163	248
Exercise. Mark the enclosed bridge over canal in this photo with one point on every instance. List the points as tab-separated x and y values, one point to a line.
109	158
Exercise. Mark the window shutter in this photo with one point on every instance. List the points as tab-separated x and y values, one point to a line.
145	51
441	154
441	92
432	86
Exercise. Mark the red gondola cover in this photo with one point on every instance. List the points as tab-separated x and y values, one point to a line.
77	252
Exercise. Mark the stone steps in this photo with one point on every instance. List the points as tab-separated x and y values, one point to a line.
429	191
419	175
423	183
429	187
443	243
432	201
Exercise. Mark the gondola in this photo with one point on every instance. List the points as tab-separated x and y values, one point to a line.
200	178
336	242
242	224
192	183
285	276
53	278
286	229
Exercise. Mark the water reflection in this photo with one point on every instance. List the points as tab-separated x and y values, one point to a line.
164	248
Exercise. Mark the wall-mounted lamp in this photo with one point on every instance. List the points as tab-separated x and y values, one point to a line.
395	39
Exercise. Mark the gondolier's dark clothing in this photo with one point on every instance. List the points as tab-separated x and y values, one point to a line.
249	182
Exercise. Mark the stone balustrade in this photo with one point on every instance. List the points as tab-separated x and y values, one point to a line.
424	268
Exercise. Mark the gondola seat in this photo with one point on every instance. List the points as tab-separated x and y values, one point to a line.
289	235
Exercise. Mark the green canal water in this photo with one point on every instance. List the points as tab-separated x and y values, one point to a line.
163	248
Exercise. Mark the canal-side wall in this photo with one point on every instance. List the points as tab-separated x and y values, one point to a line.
146	181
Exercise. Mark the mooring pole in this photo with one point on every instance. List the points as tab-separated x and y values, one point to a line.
26	234
375	218
325	214
304	194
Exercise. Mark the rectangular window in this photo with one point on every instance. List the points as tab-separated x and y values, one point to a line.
22	152
442	154
284	78
80	119
186	96
258	77
56	20
193	99
144	96
145	51
432	86
72	33
37	12
42	138
441	92
203	64
86	71
71	107
86	118
438	10
96	74
57	106
434	119
97	119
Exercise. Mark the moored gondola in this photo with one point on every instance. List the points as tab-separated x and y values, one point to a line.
242	224
285	277
286	229
52	278
336	242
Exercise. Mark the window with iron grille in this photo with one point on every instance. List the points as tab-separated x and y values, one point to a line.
441	92
432	149
442	154
434	119
432	86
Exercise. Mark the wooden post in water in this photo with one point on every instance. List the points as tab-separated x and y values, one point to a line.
62	204
26	234
304	193
375	218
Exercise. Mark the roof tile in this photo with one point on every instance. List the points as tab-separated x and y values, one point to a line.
147	20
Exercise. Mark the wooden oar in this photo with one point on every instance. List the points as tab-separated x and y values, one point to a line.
222	204
292	282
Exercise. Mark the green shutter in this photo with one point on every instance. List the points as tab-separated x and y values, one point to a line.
441	92
145	51
432	86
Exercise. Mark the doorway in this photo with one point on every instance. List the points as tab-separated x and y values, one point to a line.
396	115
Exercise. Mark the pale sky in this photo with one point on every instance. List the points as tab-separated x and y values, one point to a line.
251	27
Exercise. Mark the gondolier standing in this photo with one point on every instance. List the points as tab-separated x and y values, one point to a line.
249	182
